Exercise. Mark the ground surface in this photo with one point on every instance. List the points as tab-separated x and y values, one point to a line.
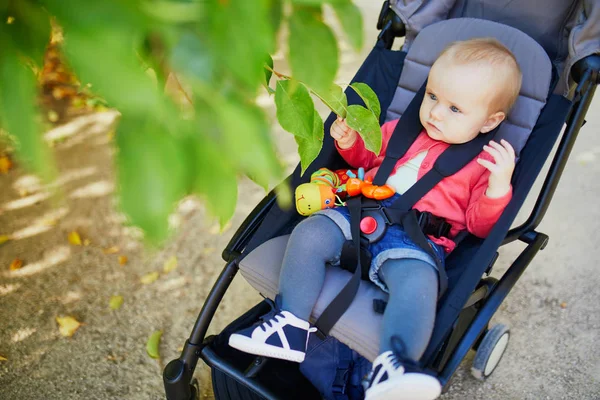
553	311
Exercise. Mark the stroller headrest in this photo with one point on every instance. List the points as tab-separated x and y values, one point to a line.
533	61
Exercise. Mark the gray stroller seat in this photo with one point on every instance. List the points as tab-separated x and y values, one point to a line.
359	327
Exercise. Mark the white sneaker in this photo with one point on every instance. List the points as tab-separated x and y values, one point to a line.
390	382
282	335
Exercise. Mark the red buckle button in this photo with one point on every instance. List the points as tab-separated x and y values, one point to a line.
368	225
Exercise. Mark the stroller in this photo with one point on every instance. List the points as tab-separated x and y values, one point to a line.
556	44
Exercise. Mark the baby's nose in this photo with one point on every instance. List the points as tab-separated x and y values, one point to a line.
436	112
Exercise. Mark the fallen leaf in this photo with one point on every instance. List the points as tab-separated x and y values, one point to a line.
152	344
170	264
5	164
86	242
122	260
3	358
67	325
74	238
149	278
4	238
115	302
563	305
111	250
53	116
16	264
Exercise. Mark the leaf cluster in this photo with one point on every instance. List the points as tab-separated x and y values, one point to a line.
218	50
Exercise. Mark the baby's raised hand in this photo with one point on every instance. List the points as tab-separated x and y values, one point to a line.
342	133
501	170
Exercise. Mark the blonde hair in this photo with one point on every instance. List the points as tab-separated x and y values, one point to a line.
491	53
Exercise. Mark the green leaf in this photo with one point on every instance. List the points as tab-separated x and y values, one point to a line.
268	72
115	302
295	108
101	41
245	133
29	29
314	2
351	19
275	13
18	111
152	176
214	178
368	96
192	57
153	343
336	100
241	33
367	125
309	149
313	51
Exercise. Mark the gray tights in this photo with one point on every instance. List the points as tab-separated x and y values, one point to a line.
412	284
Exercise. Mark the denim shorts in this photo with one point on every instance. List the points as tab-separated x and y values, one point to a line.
395	243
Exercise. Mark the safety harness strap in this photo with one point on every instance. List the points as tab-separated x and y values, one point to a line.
342	301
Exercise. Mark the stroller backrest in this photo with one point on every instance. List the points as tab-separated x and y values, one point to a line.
567	29
533	60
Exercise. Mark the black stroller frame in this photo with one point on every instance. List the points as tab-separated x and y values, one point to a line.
474	318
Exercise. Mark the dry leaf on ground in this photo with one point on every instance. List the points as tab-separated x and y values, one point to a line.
111	250
153	343
74	238
5	164
16	264
115	302
170	264
4	238
122	260
149	278
3	358
67	325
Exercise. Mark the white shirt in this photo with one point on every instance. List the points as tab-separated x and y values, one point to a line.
407	174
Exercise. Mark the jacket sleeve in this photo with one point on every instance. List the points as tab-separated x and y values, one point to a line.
358	156
483	212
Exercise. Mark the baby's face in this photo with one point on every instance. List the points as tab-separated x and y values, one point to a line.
456	106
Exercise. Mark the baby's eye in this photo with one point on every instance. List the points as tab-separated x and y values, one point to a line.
454	109
432	96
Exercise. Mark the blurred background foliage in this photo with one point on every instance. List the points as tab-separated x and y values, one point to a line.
126	50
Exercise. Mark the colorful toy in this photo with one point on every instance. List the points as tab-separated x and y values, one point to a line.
329	188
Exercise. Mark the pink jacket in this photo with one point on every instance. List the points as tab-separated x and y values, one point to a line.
459	198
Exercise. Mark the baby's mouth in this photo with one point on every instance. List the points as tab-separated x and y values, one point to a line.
435	128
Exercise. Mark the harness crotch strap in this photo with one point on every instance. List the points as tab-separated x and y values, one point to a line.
452	160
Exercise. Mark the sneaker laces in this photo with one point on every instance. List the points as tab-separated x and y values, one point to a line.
269	320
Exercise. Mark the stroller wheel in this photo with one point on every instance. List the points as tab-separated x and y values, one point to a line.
490	351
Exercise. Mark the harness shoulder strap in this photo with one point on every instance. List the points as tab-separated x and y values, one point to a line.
405	133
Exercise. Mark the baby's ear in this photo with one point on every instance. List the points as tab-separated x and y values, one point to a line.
493	121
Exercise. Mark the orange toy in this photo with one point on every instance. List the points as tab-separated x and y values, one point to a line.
356	186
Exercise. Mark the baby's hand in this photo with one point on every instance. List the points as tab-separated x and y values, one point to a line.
343	134
501	170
